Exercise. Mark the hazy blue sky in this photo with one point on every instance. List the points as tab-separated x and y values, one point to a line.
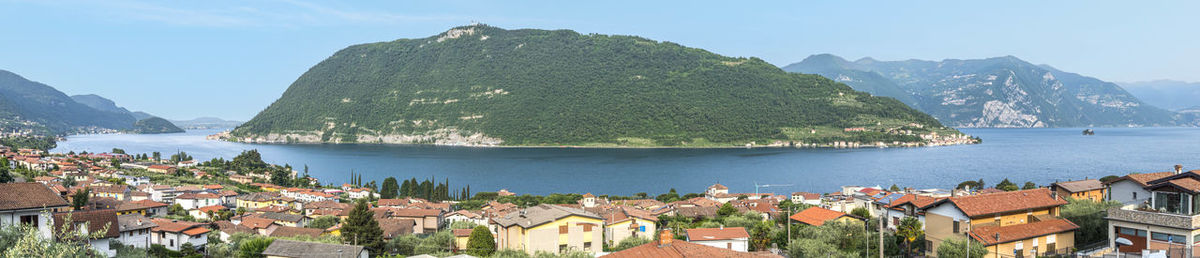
230	59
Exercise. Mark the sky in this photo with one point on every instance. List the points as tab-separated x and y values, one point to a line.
231	59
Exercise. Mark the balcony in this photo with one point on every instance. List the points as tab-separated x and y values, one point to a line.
1154	218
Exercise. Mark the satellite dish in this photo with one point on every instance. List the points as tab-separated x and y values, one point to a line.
1123	241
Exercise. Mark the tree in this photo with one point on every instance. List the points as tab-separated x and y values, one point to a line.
894	188
69	181
861	212
5	177
361	228
956	247
324	222
1029	185
760	235
176	209
1007	186
670	196
481	243
118	151
726	210
629	242
80	198
389	188
254	247
1109	178
909	230
1089	215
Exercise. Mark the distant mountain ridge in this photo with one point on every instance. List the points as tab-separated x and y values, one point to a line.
25	100
993	92
1168	94
206	123
22	99
480	85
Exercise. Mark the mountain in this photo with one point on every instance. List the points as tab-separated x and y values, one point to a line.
482	85
103	104
1168	94
994	92
99	103
25	100
206	123
155	125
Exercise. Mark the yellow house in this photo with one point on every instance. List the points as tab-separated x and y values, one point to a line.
461	237
622	223
1090	189
549	228
146	208
256	200
1008	224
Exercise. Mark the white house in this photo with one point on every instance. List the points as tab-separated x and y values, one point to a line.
174	234
358	193
736	239
192	201
806	198
465	216
134	230
1130	190
159	193
29	204
91	221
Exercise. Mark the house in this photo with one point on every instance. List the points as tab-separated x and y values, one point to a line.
1018	223
427	220
174	234
148	208
134	230
668	247
135	180
88	222
241	179
285	219
256	200
461	238
465	216
29	204
910	205
203	212
191	201
358	193
625	222
1131	189
806	198
549	228
1167	221
159	193
1088	189
736	239
286	231
162	169
817	216
394	227
281	248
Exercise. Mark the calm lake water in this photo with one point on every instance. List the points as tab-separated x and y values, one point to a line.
1039	155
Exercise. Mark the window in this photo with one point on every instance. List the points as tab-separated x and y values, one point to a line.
1169	202
587	227
956	227
896	221
1050	239
729	246
1019	249
562	248
1135	195
1131	232
587	246
172	243
562	229
1168	237
31	220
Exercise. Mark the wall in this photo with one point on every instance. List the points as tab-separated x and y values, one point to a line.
1122	192
740	245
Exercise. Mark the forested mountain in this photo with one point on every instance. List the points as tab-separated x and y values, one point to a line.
482	85
1168	94
103	104
25	100
155	125
994	92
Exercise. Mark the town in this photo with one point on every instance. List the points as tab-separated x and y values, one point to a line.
117	204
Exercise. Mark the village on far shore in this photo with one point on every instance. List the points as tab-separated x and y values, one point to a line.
119	204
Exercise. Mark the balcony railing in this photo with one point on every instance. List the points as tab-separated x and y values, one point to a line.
1154	218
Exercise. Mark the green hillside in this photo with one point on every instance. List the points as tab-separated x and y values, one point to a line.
154	125
22	100
482	85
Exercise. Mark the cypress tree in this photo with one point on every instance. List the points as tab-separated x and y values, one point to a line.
361	228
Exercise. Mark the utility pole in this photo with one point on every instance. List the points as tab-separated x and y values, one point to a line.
881	236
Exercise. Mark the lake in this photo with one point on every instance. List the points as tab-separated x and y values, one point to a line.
1039	155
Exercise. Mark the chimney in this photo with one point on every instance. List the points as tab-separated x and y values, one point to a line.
1178	169
665	237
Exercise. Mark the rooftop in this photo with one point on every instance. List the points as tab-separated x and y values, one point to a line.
541	214
984	204
1081	185
16	196
289	248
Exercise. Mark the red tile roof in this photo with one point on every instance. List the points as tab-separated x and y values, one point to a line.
987	234
707	234
15	196
678	249
986	204
816	216
96	219
462	232
256	222
189	228
1142	179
